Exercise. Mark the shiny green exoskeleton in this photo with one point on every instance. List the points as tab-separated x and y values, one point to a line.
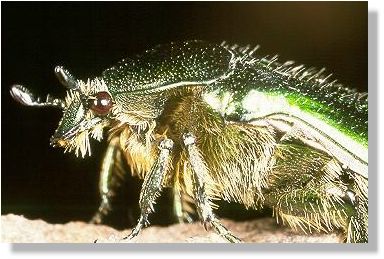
217	122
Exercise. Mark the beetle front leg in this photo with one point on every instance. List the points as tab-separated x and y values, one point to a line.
152	186
181	207
111	176
204	209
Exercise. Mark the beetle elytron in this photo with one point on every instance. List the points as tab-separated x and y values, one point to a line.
217	122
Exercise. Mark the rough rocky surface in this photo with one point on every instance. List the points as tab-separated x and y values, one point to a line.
17	229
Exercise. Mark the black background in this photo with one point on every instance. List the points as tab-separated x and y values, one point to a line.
39	181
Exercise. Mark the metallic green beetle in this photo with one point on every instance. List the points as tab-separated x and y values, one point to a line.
217	122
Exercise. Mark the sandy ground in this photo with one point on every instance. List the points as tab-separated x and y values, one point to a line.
17	229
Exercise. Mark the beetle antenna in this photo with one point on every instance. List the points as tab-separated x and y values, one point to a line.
66	78
25	97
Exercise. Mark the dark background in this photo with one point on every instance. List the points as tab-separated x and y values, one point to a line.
39	181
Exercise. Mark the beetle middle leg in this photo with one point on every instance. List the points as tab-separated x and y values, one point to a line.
111	177
202	202
152	186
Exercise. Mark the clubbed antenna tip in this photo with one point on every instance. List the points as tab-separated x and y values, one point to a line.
22	95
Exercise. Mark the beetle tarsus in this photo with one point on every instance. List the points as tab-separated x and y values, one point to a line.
143	222
102	212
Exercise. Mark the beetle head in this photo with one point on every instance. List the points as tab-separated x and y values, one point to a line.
86	108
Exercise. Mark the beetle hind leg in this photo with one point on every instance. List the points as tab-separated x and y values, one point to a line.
307	192
358	227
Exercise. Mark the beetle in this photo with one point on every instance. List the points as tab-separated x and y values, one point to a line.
218	122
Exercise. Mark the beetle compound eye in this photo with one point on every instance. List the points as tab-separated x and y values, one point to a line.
101	104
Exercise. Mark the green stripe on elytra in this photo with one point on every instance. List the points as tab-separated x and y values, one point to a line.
338	106
314	108
324	113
